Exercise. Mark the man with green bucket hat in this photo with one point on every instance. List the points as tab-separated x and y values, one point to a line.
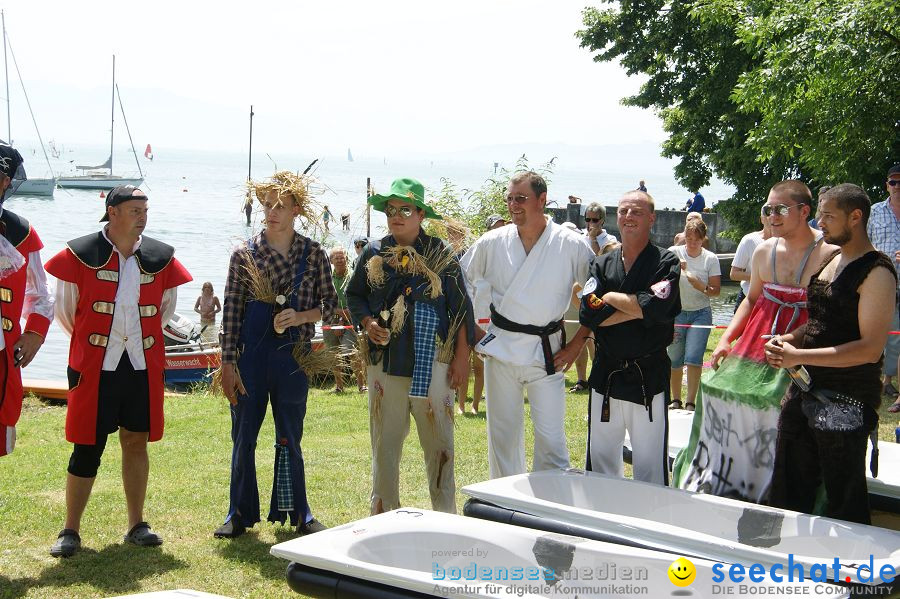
410	298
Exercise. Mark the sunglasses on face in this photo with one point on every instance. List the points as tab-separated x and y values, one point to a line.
404	211
893	182
593	220
779	209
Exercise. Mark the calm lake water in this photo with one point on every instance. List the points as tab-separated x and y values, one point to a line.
196	200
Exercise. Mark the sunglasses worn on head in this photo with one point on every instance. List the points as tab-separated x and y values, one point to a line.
404	211
779	209
593	220
893	182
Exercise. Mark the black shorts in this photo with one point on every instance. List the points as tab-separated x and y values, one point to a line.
123	399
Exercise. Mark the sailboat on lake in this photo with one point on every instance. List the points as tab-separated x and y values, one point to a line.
101	176
21	185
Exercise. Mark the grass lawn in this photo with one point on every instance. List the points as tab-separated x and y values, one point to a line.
188	497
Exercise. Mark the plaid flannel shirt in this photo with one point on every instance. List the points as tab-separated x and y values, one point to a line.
884	230
320	293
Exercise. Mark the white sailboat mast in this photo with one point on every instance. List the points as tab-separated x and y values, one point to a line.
112	116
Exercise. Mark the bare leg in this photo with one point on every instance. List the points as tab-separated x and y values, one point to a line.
693	382
339	378
462	393
675	383
78	491
581	363
135	473
478	391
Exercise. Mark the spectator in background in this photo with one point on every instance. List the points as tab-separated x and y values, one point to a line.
207	306
740	265
574	200
700	280
248	209
696	203
641	186
358	244
597	237
884	232
494	221
679	237
345	340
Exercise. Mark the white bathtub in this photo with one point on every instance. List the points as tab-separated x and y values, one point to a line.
692	523
440	554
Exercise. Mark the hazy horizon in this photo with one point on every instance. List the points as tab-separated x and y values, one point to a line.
394	78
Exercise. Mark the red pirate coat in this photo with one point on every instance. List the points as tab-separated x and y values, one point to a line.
90	263
19	233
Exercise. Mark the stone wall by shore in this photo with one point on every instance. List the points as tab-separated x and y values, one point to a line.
668	223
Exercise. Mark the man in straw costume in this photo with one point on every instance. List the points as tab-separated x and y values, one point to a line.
115	290
279	284
409	296
530	269
23	292
731	450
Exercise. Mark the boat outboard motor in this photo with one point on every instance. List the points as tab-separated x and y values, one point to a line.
180	330
11	166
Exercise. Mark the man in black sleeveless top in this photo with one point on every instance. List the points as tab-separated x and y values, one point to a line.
841	346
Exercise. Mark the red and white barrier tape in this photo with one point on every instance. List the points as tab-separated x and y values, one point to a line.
683	326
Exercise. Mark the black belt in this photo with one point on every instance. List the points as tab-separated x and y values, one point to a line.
543	332
622	366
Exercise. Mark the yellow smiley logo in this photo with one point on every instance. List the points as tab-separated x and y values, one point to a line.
682	572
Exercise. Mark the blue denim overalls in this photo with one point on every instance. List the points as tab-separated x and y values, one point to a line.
269	371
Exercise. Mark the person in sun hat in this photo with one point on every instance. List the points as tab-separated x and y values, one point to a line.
494	221
115	289
23	292
409	296
279	285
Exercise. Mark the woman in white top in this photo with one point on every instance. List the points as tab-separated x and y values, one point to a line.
701	279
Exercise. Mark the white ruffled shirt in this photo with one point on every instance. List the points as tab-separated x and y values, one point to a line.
125	334
37	293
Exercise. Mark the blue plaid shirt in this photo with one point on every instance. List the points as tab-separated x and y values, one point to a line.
884	230
363	300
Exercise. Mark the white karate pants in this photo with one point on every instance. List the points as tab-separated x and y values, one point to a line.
649	452
505	385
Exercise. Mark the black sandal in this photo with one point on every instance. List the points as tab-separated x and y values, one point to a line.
581	385
141	535
675	404
67	543
689	406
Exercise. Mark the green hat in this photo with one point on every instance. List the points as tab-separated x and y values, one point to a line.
405	190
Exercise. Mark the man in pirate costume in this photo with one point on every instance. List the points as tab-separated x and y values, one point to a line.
409	296
279	284
115	290
23	292
823	431
731	449
630	303
528	269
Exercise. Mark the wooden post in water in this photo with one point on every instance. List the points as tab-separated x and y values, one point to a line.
368	207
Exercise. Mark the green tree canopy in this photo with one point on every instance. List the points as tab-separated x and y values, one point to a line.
756	91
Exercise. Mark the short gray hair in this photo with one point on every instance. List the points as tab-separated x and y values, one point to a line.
596	208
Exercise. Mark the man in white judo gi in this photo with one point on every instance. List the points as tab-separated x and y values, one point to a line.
530	268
